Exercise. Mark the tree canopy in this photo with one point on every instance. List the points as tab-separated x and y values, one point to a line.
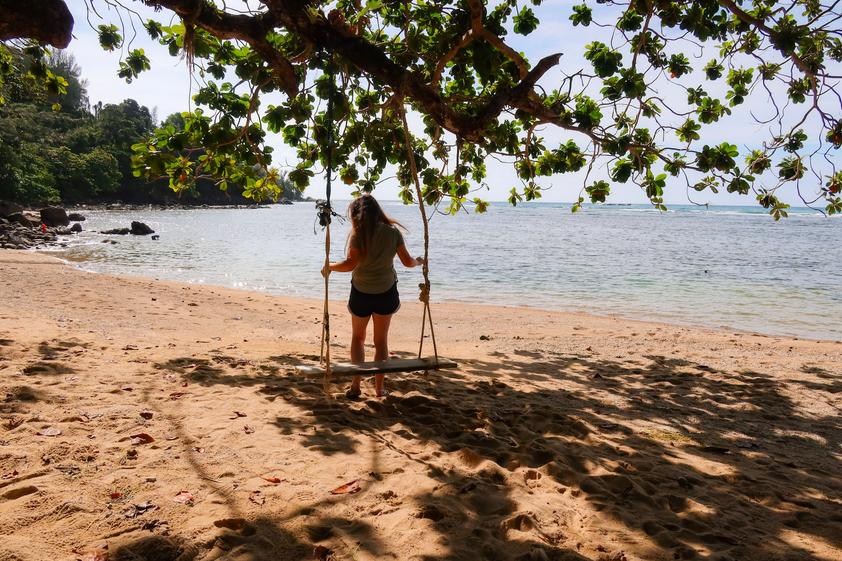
269	67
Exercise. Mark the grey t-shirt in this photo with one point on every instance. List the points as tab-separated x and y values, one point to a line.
375	273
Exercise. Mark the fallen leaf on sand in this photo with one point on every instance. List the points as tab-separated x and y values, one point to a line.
99	553
257	498
248	429
184	497
141	438
348	489
321	553
238	414
274	480
136	510
52	431
116	495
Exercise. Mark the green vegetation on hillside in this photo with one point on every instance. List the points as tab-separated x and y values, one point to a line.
56	148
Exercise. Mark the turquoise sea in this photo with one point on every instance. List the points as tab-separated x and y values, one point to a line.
722	267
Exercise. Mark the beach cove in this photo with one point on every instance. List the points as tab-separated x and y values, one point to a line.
164	420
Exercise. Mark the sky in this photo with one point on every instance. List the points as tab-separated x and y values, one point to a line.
167	89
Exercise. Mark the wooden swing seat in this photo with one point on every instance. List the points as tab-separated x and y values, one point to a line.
390	366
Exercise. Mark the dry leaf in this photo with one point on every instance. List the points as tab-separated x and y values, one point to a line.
348	489
116	495
50	432
321	553
248	429
184	497
136	510
141	438
257	498
99	553
274	480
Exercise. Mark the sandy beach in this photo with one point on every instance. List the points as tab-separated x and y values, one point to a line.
143	420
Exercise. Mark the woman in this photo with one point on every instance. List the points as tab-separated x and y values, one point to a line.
374	241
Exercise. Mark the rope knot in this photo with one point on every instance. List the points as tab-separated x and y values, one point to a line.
424	292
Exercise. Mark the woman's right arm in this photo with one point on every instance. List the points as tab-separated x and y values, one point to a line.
407	259
346	265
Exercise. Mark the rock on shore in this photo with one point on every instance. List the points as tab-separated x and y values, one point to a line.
22	229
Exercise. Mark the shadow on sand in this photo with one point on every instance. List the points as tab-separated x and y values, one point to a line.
678	459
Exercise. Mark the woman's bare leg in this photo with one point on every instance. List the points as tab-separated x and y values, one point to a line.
381	346
359	327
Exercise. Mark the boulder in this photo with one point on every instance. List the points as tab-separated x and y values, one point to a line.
8	207
75	217
116	231
76	228
24	219
54	216
141	229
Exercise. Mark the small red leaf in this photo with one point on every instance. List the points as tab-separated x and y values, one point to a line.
116	495
274	480
348	489
141	438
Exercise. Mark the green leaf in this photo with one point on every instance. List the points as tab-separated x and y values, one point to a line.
525	21
109	37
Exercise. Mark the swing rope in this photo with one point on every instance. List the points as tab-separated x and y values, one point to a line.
424	287
325	215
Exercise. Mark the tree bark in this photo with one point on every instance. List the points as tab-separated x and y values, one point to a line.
48	21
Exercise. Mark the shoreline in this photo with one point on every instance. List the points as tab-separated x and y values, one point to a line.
78	265
165	421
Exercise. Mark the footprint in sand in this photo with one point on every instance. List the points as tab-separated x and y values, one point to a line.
48	369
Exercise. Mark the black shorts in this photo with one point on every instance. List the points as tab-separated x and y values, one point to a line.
362	304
